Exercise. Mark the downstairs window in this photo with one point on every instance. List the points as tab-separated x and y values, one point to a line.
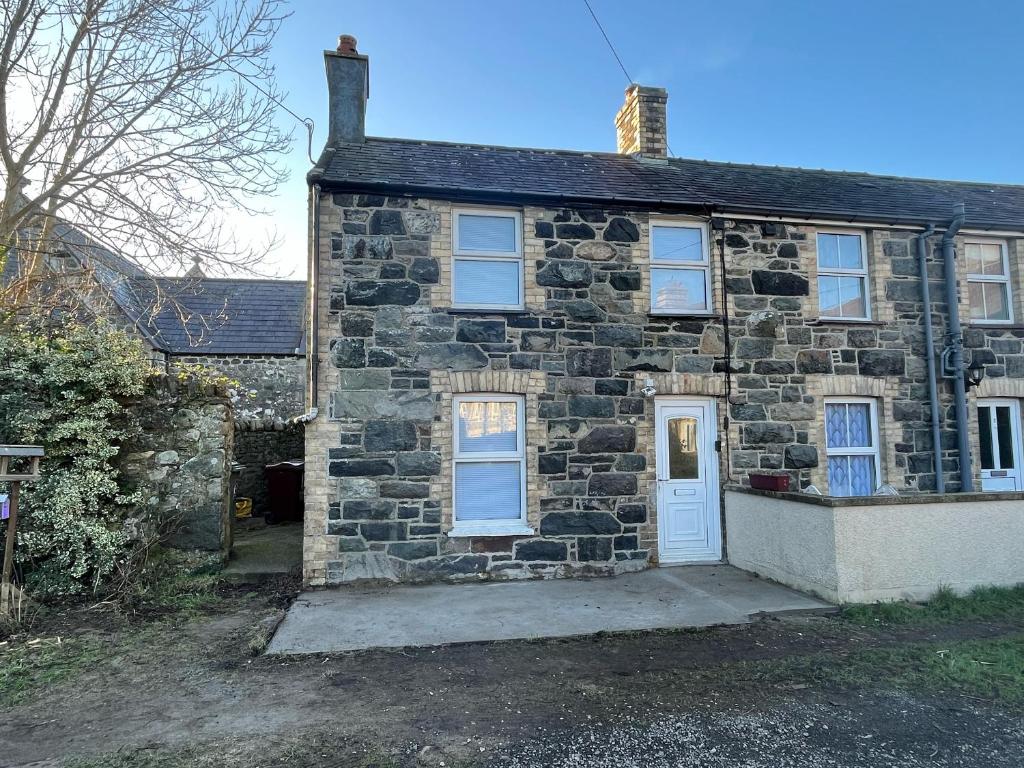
489	455
851	439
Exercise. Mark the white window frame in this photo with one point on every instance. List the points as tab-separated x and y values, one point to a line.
874	450
840	272
1003	279
474	255
704	265
505	527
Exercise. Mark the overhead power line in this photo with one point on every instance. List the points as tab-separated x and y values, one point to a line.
607	40
306	122
618	59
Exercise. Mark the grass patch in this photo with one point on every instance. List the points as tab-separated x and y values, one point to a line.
173	585
981	604
990	669
28	666
178	582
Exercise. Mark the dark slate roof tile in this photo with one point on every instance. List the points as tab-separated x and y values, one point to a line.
566	176
210	316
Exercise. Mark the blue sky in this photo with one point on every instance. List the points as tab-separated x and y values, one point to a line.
909	88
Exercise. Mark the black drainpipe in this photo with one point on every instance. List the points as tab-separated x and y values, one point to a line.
956	347
314	307
929	345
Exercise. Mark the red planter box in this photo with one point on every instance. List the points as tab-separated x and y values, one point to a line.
769	482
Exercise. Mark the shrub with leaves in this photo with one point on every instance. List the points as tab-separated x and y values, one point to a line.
65	388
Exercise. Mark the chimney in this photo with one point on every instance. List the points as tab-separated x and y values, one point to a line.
640	124
348	88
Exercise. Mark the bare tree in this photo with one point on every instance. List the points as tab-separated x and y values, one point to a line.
138	122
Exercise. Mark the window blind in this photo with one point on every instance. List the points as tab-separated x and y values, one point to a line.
496	234
487	282
488	490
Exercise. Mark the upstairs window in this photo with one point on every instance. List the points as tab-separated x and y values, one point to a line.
988	281
680	269
842	277
487	264
851	441
490	463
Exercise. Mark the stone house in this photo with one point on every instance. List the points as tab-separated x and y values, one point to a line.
530	363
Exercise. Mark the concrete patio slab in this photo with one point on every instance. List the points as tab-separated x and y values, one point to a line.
355	618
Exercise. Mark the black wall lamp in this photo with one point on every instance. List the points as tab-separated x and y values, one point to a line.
974	374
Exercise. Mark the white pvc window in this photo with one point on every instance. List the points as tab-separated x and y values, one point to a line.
851	440
489	493
487	263
988	281
680	268
842	276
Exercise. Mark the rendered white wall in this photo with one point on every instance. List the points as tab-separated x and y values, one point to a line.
877	552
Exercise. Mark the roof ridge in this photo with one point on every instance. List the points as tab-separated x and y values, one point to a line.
470	144
830	171
186	278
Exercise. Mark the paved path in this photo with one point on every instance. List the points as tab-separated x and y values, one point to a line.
264	551
354	618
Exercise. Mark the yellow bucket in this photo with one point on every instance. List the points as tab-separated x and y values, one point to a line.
243	508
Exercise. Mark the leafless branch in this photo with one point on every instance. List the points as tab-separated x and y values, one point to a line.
139	122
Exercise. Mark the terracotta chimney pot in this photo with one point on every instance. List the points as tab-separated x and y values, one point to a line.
347	44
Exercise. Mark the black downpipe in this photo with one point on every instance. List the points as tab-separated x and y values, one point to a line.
929	346
956	347
314	305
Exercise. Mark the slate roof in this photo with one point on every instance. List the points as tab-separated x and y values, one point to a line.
561	176
209	316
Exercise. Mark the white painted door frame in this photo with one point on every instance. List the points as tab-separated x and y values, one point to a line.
689	514
998	477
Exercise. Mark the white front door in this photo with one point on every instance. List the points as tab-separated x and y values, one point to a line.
999	431
689	523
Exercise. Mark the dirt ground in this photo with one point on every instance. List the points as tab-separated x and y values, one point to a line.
184	689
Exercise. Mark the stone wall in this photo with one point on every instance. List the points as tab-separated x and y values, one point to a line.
183	461
257	445
270	395
392	353
272	388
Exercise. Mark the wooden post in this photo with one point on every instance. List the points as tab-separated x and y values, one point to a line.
6	589
33	453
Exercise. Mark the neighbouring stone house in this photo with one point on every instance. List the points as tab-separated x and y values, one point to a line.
250	330
532	363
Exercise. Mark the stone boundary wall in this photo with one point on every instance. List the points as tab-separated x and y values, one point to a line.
884	550
272	387
183	461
